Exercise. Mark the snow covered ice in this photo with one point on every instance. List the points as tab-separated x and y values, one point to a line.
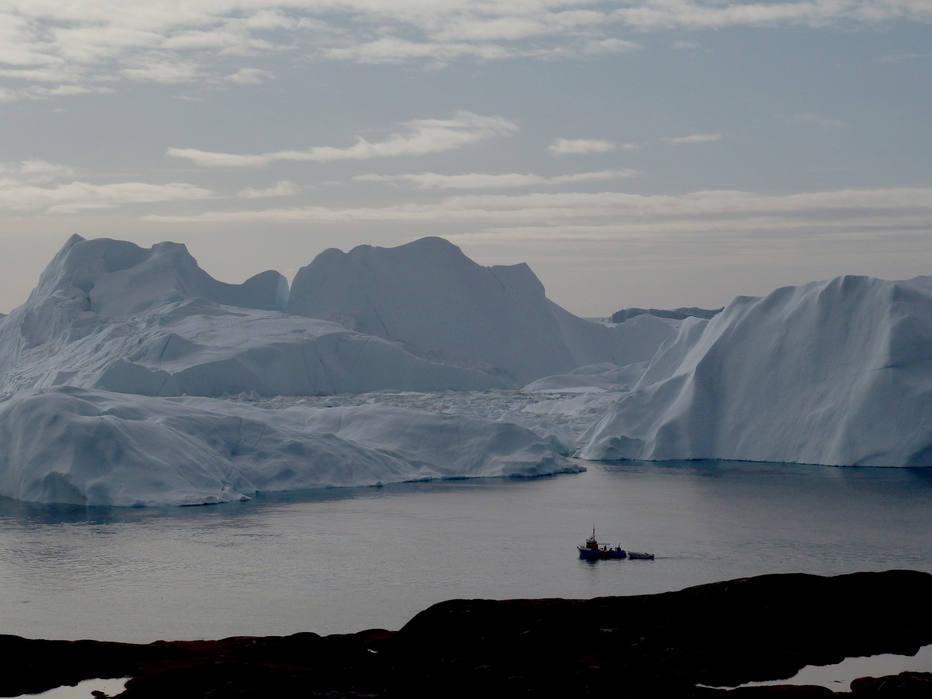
130	376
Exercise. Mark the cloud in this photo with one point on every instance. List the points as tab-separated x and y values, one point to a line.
37	92
36	186
484	180
250	76
82	196
621	214
692	138
714	14
285	188
396	50
33	171
415	137
609	46
580	146
812	119
89	42
160	70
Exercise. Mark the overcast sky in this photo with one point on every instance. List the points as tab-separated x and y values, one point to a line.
643	152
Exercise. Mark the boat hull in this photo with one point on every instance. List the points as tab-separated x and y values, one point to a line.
601	554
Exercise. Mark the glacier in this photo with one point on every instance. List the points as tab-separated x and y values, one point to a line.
131	377
836	372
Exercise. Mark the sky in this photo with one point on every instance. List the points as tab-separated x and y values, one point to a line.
637	153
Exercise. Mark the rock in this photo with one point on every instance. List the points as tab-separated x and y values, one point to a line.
907	685
664	645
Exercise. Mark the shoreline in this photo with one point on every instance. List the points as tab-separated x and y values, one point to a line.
721	634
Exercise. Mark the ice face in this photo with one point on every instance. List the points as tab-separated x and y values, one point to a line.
836	372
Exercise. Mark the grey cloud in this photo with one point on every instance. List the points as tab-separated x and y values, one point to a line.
484	180
580	208
580	146
99	38
285	188
416	137
692	138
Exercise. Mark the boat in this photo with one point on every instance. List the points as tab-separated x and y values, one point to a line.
593	551
636	556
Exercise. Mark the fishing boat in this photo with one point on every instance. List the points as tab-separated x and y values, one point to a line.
593	551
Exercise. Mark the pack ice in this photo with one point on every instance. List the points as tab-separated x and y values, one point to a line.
88	365
836	372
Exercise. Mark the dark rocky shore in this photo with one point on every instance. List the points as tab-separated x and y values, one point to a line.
664	645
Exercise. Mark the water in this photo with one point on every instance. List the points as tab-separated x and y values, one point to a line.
838	676
82	690
346	559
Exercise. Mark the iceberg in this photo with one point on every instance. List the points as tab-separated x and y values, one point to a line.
109	314
441	305
119	374
836	372
132	377
90	447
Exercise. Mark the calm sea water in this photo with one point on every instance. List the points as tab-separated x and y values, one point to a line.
346	559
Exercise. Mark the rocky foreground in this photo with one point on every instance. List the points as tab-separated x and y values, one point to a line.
664	645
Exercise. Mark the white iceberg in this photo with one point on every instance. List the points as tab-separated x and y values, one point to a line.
109	314
440	304
122	377
836	372
112	329
88	447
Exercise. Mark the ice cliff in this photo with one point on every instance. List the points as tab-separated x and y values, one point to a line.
836	372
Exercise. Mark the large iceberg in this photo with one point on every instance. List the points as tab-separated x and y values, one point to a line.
109	314
71	445
422	317
130	376
88	363
836	372
440	304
